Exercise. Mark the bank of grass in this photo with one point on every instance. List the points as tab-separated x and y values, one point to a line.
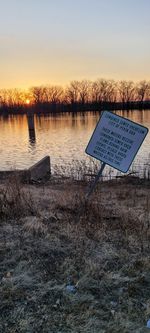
51	237
87	169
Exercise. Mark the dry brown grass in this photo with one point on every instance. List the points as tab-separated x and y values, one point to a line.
14	201
100	246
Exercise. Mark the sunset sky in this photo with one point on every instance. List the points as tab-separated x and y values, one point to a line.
56	41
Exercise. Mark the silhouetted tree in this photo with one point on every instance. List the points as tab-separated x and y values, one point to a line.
143	90
72	92
78	95
84	91
47	94
37	94
55	94
126	91
13	97
103	91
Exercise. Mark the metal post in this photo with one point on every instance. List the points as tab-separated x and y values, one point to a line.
95	181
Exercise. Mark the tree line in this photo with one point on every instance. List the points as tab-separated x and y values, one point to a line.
79	95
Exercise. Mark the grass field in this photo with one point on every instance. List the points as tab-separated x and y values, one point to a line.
52	240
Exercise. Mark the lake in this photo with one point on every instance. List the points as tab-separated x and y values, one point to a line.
64	137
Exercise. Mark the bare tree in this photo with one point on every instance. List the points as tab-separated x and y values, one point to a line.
84	91
77	93
37	94
95	92
104	91
72	92
54	94
47	94
4	99
12	97
143	90
126	90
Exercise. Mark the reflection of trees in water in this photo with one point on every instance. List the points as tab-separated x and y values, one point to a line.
63	120
139	116
66	134
67	120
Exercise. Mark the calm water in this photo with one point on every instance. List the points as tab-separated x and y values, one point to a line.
63	137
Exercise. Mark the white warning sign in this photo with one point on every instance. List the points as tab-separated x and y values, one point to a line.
116	141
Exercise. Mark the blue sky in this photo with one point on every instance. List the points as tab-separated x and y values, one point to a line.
56	41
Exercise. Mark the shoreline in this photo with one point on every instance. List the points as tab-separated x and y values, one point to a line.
79	108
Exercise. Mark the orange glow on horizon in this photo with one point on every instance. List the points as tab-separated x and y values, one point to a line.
27	101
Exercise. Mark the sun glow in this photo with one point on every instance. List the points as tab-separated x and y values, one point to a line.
27	101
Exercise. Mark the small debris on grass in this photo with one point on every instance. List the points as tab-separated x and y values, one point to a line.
71	289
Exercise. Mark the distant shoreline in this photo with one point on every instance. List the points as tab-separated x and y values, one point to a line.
53	108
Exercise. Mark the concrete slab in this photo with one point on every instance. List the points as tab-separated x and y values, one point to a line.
40	170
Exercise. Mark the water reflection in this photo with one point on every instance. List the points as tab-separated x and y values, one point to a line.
32	137
26	139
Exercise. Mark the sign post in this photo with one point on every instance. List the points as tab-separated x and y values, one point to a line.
115	141
95	181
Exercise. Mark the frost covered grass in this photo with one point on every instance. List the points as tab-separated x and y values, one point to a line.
51	237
